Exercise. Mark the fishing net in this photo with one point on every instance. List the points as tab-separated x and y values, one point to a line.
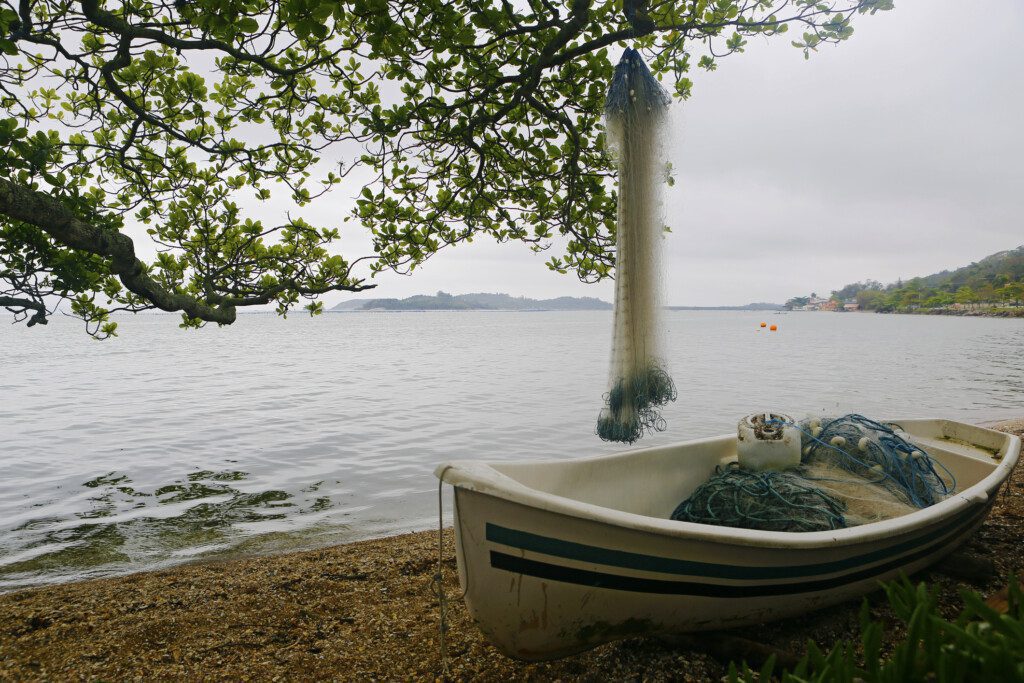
863	499
635	113
853	471
876	453
769	500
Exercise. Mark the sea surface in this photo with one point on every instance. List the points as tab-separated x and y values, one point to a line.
164	446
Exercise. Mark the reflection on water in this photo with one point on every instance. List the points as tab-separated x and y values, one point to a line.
163	446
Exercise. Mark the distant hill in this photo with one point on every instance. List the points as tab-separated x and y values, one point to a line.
994	281
482	301
442	301
996	269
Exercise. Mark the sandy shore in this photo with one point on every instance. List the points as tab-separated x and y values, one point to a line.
365	611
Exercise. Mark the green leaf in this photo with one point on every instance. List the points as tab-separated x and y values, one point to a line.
247	25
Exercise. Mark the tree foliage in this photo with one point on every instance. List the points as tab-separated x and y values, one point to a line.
450	119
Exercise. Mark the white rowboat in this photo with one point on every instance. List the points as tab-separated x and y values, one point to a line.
559	556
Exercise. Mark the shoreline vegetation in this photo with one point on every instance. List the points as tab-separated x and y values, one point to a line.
366	611
972	312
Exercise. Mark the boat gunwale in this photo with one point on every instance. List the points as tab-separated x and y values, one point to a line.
482	477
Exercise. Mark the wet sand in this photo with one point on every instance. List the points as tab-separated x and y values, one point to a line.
366	611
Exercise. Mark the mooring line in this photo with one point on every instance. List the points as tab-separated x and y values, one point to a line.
438	580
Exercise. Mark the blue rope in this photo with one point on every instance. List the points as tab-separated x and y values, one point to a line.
633	86
888	459
769	501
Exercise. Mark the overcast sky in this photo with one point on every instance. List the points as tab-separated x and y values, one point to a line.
895	154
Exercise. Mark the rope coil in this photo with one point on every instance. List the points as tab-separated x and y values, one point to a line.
767	500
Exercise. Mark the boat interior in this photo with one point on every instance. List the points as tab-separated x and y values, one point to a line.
653	481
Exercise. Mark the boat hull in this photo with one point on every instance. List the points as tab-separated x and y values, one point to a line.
545	578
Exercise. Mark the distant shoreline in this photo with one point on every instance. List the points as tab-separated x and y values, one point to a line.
469	310
733	309
747	309
997	313
484	301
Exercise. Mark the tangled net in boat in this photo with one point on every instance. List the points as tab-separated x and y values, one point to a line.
636	112
877	454
768	500
853	471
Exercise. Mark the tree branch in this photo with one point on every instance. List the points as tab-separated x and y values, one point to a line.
92	11
38	318
50	215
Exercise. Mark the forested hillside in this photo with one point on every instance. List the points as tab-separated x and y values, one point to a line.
994	282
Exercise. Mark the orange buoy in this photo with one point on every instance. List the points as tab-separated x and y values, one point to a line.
773	328
764	324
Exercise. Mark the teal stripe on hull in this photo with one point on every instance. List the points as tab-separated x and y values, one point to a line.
571	550
635	584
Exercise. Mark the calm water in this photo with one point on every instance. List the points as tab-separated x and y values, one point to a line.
163	445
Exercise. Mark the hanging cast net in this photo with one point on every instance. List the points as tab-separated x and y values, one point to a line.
635	114
853	471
